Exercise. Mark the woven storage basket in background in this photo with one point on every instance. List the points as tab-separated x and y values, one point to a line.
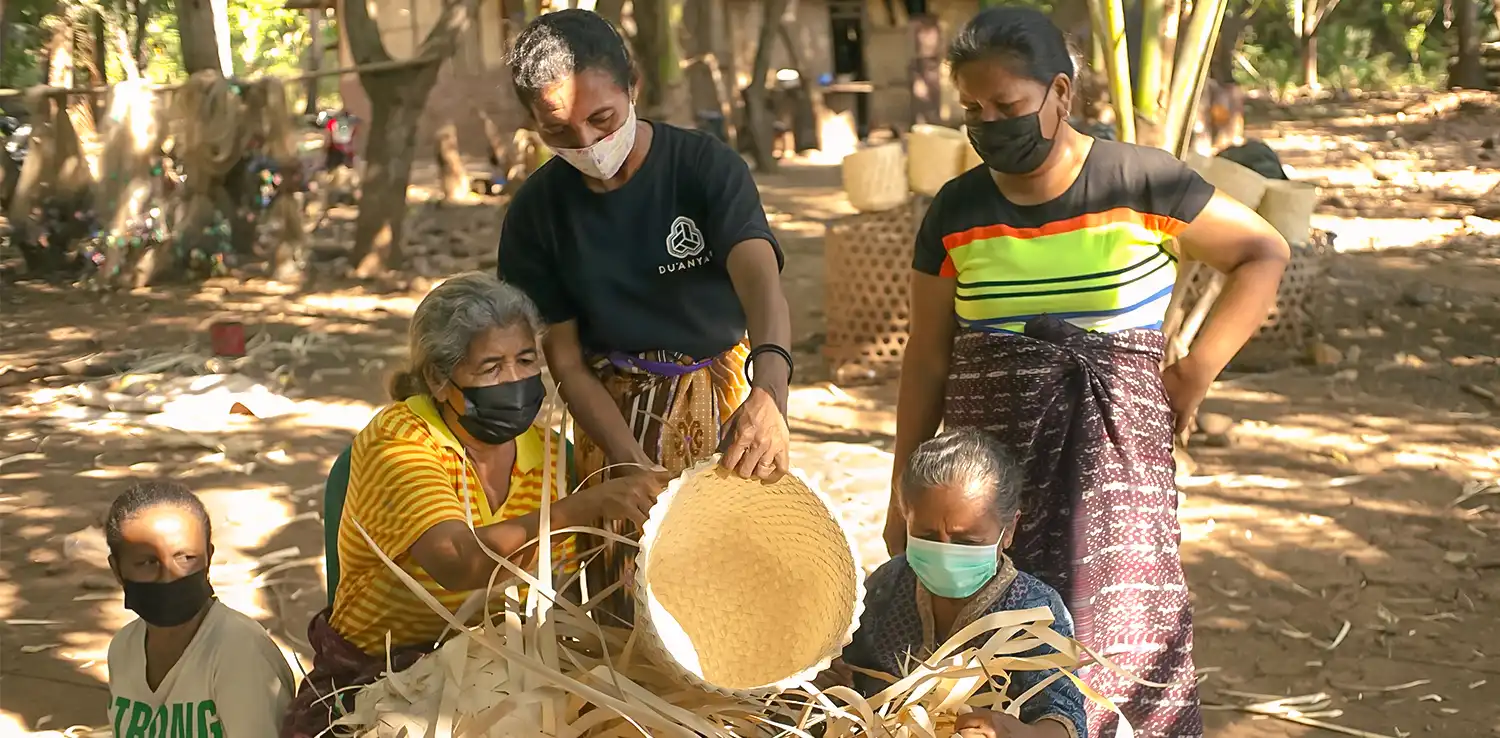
866	272
1294	322
745	587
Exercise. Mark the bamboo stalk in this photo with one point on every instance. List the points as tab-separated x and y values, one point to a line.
1108	20
1188	75
1188	79
1149	76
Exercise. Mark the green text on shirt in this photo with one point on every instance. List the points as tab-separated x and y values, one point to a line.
180	720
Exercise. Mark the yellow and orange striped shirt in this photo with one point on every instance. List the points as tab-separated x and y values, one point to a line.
407	474
1100	256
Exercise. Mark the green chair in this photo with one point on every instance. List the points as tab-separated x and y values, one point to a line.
334	491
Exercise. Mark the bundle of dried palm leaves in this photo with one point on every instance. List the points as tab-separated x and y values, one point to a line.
546	667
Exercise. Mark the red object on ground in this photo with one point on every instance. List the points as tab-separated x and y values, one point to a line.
228	339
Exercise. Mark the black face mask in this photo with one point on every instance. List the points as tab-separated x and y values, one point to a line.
498	413
1012	145
169	604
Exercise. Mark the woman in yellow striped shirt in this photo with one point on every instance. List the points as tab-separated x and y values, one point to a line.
453	467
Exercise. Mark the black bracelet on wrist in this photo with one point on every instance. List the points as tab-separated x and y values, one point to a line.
769	348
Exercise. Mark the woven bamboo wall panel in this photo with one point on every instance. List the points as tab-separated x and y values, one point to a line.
867	263
1293	324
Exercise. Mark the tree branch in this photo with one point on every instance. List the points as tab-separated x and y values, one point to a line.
442	40
365	43
1316	23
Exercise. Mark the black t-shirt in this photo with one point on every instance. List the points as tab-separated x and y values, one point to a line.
642	268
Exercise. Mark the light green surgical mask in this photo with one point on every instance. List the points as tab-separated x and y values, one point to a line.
952	570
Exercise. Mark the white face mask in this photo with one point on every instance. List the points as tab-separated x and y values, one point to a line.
604	159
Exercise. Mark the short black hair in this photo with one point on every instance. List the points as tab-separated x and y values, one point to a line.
145	495
968	458
563	43
1024	37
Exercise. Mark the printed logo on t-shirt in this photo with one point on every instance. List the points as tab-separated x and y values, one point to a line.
684	239
179	720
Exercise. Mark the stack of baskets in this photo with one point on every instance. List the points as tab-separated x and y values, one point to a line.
1288	206
884	176
867	256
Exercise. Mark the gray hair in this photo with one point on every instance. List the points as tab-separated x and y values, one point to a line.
968	459
448	319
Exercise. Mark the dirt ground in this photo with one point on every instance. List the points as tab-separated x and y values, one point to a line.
1342	541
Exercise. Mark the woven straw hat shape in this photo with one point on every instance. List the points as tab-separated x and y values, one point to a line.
745	587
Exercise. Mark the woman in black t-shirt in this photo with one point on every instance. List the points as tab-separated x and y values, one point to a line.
646	249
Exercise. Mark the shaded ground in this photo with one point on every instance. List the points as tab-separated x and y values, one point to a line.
1332	505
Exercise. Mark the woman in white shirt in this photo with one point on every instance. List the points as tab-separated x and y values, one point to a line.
190	665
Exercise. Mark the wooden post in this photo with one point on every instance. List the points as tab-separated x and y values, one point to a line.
926	70
314	58
454	175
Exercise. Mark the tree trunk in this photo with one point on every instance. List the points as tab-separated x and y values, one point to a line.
195	26
396	102
1305	18
4	34
925	75
710	78
1221	67
397	99
657	26
98	61
60	55
1310	62
220	10
612	10
452	172
1468	72
758	115
143	11
808	97
314	58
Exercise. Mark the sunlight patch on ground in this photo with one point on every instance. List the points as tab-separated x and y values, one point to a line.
857	479
1378	234
244	519
828	405
1258	523
88	650
9	596
361	306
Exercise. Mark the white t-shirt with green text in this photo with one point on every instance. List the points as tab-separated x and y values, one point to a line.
231	682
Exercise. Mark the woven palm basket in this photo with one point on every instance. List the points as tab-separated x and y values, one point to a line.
745	587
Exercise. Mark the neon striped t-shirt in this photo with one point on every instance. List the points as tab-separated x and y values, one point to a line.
406	474
1098	256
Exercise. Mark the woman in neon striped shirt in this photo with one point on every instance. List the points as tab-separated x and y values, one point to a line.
1040	283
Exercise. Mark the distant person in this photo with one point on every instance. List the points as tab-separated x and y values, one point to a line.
648	253
1040	285
960	495
190	665
459	445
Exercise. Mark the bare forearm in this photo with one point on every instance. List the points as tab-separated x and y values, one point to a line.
1247	298
755	272
768	320
599	417
919	406
472	566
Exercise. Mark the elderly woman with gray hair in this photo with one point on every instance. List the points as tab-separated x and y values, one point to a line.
454	466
